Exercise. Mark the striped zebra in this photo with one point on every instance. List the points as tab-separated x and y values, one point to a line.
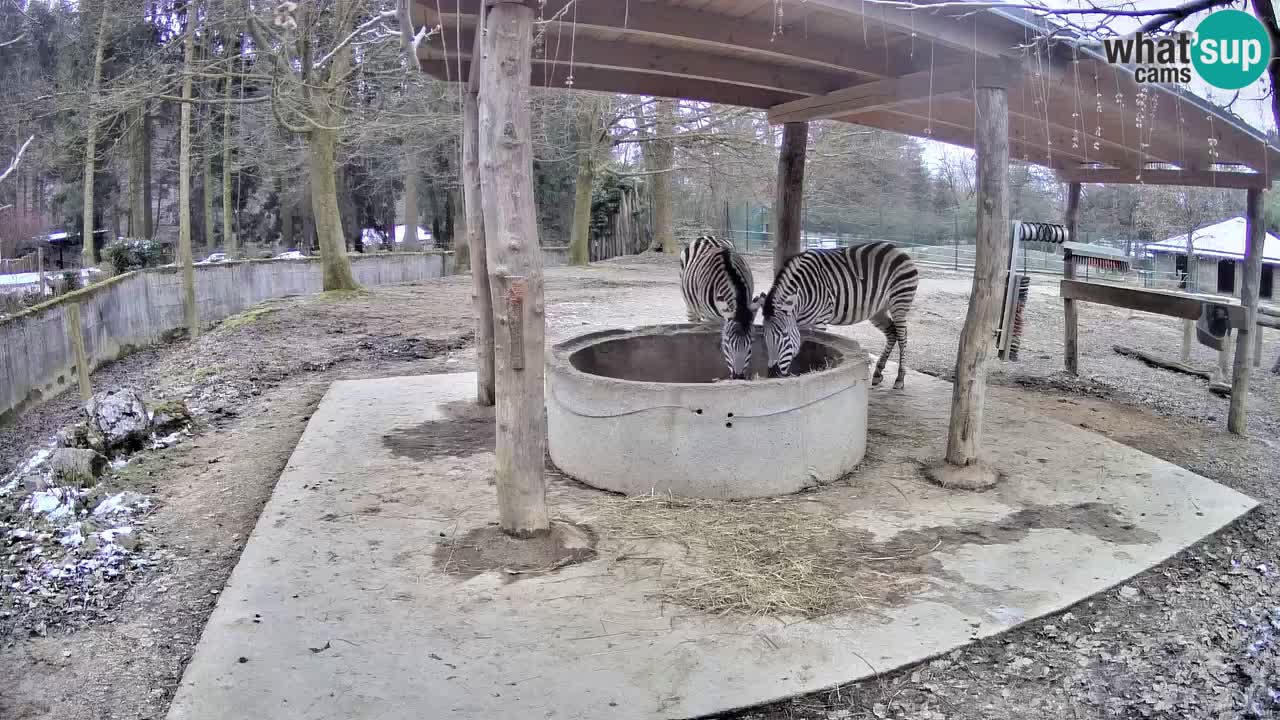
873	281
717	285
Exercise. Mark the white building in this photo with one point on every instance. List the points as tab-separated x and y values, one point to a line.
1218	252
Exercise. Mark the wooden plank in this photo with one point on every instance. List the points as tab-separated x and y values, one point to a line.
1237	416
1191	178
586	51
473	208
697	29
1157	361
632	82
964	431
1071	319
787	211
954	133
1144	299
875	95
75	336
511	244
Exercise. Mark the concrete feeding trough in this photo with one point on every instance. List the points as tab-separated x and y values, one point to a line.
650	409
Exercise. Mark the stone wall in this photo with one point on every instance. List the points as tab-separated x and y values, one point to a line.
142	308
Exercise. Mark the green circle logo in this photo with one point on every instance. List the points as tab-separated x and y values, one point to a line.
1231	49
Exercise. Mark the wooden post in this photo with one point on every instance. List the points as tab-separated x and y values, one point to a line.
40	271
1257	346
1188	336
481	297
964	433
1237	417
75	335
514	265
790	193
1070	346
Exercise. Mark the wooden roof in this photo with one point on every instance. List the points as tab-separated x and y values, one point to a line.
886	67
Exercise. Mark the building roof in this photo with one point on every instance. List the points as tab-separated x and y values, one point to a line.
903	67
1223	240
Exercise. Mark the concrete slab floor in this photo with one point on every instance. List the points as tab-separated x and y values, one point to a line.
338	609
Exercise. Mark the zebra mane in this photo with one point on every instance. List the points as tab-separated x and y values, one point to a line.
781	285
742	312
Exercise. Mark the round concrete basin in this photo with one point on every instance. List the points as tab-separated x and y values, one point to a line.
650	410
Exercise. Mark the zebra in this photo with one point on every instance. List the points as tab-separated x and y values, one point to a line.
717	285
873	281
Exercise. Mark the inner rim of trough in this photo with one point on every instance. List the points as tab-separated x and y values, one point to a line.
689	357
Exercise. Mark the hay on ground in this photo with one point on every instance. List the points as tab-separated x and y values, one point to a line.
783	557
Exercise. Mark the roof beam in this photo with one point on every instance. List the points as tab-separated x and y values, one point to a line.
964	33
585	51
875	95
1192	178
954	133
632	83
707	30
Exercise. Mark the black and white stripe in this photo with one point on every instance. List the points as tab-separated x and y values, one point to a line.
873	281
717	285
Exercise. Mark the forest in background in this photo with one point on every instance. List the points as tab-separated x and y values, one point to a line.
306	123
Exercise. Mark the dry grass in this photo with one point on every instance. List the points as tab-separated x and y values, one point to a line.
784	557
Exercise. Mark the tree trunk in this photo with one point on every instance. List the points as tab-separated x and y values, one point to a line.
185	261
515	267
662	154
139	208
411	216
580	234
1237	417
324	205
789	206
482	297
206	180
230	243
964	436
89	256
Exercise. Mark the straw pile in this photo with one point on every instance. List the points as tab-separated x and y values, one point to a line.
768	557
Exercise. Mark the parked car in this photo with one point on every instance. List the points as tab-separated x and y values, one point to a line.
214	258
291	255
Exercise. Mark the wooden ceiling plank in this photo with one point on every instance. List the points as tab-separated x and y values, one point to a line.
875	95
707	30
1192	178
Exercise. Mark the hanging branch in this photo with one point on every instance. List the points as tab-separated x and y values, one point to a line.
14	41
16	158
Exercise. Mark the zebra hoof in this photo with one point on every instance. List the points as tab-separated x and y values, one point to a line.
876	380
899	384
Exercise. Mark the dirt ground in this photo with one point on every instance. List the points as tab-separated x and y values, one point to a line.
1193	638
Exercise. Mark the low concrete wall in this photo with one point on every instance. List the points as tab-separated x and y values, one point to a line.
555	255
141	308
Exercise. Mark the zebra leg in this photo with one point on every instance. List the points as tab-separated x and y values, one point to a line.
900	330
884	325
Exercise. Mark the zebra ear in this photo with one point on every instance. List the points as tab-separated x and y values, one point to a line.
757	301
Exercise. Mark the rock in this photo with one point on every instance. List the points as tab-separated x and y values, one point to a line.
119	417
77	466
75	435
170	416
1129	592
35	482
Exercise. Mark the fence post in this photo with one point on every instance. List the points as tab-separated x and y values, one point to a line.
75	334
40	270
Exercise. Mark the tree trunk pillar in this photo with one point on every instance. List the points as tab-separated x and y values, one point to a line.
472	200
964	433
515	266
1237	417
1070	346
789	201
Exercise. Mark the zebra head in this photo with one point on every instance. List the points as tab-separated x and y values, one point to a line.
735	339
781	339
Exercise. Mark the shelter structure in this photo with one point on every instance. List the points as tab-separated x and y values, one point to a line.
1000	80
1217	259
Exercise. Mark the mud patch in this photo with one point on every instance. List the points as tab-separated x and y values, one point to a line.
488	548
467	429
1100	520
414	348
